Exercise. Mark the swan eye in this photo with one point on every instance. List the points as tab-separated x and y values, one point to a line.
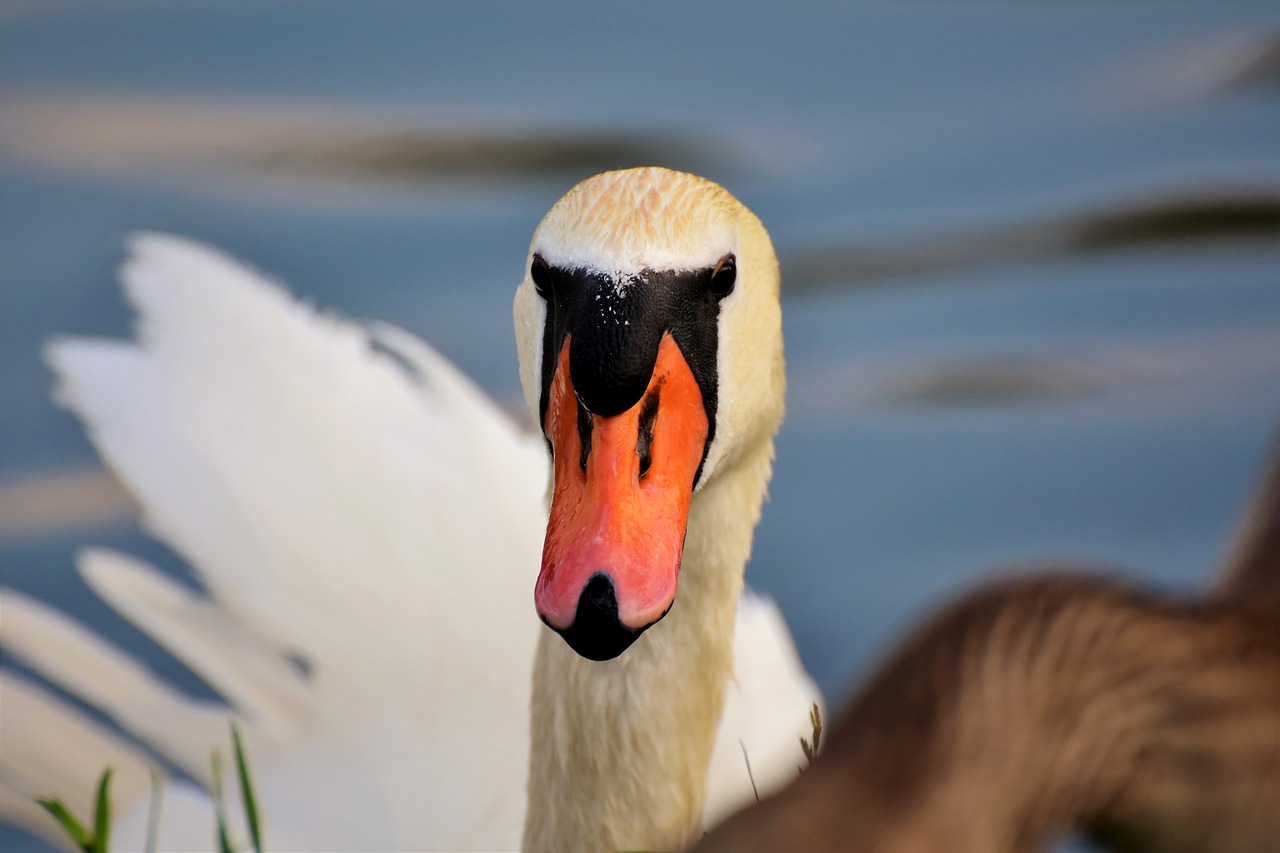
723	277
540	272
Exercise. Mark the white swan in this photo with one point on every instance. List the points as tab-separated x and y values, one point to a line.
353	503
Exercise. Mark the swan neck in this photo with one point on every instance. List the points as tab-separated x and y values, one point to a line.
620	749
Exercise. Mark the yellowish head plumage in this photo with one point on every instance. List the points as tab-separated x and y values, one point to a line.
650	218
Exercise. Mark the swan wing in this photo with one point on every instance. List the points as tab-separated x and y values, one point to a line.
362	612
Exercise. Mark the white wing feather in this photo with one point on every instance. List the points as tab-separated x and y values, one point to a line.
315	484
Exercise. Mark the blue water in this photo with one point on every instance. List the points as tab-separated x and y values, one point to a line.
840	125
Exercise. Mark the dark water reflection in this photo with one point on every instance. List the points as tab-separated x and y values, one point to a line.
1246	215
292	143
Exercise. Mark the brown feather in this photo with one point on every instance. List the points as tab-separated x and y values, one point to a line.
1058	702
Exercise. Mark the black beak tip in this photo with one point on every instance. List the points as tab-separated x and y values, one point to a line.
597	633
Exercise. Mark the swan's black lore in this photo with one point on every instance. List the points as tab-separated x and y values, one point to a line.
615	324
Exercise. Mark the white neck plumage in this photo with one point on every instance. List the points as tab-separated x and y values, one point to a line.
620	748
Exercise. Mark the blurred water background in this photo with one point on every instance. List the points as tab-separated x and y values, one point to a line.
1031	251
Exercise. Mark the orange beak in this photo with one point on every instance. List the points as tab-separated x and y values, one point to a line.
620	507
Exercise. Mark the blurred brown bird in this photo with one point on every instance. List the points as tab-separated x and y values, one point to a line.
1060	702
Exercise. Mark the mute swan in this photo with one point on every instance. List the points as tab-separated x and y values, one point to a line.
367	527
1056	702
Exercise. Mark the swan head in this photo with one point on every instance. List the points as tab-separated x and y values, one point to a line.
650	345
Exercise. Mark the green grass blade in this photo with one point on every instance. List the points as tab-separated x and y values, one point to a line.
219	807
246	790
102	814
67	821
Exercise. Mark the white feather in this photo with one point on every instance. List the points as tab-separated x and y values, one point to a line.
68	654
48	748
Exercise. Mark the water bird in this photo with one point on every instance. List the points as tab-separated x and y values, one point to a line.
367	528
1060	701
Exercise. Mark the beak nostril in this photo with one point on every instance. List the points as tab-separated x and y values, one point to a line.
584	435
644	439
